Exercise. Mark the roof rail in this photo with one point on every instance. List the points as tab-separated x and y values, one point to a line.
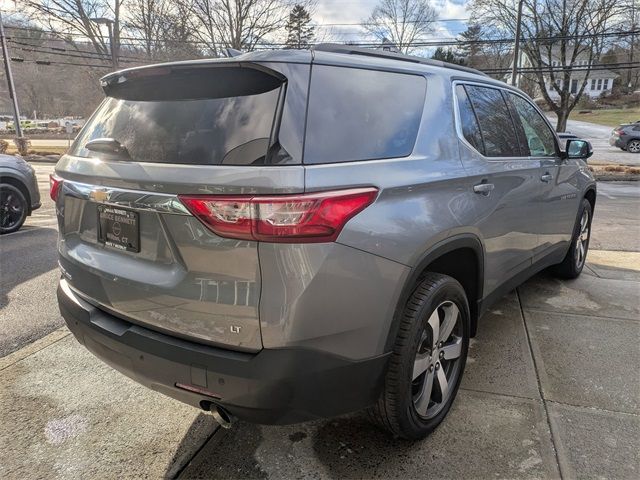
370	52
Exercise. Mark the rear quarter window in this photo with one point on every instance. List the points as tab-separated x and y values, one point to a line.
357	114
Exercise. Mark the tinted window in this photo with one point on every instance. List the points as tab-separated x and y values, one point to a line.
495	122
233	130
540	139
362	114
468	120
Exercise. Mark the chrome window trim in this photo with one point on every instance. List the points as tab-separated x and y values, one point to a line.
120	197
458	122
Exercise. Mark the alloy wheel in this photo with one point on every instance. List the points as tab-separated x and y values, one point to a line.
582	242
11	209
634	146
438	359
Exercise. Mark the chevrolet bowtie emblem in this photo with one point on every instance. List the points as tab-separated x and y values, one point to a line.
99	195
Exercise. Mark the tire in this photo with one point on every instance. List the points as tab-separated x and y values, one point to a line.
633	146
403	409
13	208
574	260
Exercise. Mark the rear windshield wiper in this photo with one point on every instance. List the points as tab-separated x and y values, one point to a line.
108	145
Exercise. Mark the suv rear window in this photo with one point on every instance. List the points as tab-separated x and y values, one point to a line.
495	122
157	121
356	114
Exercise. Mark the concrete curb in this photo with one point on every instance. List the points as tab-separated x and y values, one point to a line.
607	177
41	159
34	347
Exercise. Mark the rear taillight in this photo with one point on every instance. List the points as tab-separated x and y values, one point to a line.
54	186
304	218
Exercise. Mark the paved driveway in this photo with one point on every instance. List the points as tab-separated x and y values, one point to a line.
598	135
551	390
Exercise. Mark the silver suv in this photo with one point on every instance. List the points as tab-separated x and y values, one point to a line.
290	235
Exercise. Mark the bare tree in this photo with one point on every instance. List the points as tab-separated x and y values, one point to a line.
238	24
562	30
162	28
629	22
75	17
146	20
402	21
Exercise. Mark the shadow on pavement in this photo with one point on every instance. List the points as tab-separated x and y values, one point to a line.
24	256
344	438
231	454
185	449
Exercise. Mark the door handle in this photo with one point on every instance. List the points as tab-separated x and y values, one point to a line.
484	188
547	177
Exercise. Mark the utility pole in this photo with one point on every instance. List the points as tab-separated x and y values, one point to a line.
516	45
114	35
633	40
12	90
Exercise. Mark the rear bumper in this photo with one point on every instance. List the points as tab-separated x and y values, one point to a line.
616	141
274	386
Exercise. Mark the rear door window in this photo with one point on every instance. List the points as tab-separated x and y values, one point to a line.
356	114
539	137
207	116
495	121
468	120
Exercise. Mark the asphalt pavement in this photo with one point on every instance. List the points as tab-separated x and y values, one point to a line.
551	388
28	275
598	135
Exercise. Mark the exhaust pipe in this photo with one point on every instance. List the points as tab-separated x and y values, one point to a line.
222	416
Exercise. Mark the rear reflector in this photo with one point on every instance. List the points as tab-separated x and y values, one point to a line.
303	218
54	186
194	389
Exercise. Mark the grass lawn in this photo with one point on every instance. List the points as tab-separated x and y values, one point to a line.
609	117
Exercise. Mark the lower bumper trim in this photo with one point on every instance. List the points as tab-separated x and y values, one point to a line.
274	386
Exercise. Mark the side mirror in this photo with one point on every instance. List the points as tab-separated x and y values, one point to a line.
579	149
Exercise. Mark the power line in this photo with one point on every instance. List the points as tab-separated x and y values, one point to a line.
51	62
594	68
417	43
615	66
60	51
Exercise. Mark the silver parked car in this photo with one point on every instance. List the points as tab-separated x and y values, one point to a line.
290	235
19	194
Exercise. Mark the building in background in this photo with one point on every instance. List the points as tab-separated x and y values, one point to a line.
599	81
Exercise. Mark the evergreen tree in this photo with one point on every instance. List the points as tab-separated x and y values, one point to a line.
447	56
469	52
300	32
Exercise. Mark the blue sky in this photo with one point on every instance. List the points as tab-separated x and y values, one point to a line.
356	11
353	11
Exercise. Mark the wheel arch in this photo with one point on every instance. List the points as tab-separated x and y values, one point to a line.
590	195
460	257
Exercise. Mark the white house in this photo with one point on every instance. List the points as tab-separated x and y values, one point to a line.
599	81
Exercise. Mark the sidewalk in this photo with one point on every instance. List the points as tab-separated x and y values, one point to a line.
551	389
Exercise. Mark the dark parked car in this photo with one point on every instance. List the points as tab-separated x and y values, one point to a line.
567	135
289	235
19	195
626	137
